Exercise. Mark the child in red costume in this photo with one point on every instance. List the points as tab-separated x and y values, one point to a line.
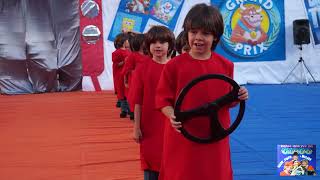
149	123
118	58
117	44
183	159
135	58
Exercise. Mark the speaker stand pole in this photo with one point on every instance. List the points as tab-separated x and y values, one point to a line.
308	70
303	67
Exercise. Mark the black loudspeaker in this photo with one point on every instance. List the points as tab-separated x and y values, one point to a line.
301	32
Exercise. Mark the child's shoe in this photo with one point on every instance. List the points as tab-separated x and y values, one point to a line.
131	114
123	114
118	104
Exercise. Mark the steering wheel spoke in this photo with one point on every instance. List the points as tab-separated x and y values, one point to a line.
217	132
224	100
215	126
183	116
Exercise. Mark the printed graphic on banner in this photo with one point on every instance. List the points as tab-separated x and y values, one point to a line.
313	11
140	15
217	3
136	6
296	160
254	30
164	10
124	23
151	23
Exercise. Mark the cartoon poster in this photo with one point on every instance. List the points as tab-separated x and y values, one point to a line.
165	10
296	160
135	6
254	30
313	11
124	23
140	15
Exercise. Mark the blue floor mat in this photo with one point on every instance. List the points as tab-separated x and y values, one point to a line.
275	114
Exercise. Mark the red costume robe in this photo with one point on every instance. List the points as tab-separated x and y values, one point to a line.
132	61
118	56
182	158
147	76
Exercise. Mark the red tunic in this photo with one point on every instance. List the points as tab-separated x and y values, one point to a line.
114	71
182	158
118	56
132	61
152	121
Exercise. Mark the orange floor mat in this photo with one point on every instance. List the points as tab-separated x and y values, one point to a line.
66	136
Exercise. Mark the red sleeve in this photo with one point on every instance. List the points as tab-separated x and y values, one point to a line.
231	70
115	56
128	65
230	74
138	86
120	55
166	90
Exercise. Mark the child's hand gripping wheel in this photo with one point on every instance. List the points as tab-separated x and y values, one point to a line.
217	132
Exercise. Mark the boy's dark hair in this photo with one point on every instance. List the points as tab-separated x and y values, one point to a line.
162	34
120	39
173	54
131	35
207	18
181	42
136	42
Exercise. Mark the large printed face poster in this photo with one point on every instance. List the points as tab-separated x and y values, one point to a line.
254	30
140	15
313	11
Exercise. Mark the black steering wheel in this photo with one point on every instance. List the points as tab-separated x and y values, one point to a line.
217	132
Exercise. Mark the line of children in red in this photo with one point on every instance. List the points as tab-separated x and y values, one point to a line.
154	87
136	58
128	54
122	46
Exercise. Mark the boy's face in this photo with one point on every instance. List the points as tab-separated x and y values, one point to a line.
159	49
200	41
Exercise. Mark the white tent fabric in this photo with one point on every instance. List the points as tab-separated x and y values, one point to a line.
268	72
